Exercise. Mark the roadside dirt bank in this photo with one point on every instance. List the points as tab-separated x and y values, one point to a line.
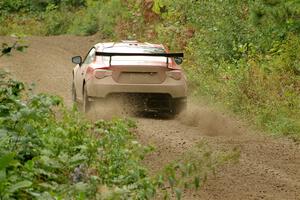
268	168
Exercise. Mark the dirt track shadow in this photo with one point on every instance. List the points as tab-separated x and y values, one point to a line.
154	115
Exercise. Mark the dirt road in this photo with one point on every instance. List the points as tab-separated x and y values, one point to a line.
268	168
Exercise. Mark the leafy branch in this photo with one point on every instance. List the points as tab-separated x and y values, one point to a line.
7	49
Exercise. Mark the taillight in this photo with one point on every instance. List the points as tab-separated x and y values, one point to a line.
98	72
101	73
89	72
175	74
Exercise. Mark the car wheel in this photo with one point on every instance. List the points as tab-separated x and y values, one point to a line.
74	97
179	105
85	104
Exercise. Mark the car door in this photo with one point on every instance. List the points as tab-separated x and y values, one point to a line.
80	73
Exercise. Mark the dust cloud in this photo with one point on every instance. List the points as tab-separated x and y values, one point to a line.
109	109
210	122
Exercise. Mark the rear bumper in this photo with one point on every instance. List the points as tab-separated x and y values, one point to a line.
102	88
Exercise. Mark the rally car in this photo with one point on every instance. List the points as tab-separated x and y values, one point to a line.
146	75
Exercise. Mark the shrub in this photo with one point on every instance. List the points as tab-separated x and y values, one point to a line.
108	15
240	53
57	20
85	22
48	151
13	6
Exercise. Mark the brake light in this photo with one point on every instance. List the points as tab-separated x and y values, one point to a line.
175	74
89	72
101	73
98	72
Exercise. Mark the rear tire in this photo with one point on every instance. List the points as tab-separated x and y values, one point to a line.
179	105
74	96
86	105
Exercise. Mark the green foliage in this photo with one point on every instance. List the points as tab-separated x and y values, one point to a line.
85	24
13	6
50	152
57	20
242	54
57	154
109	14
29	6
99	16
280	16
54	17
6	49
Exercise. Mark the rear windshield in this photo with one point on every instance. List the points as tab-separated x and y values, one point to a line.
135	49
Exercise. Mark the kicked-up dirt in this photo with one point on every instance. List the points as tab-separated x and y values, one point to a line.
268	167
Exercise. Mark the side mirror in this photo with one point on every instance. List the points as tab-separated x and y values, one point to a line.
77	60
178	60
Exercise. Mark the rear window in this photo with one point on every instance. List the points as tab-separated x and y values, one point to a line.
135	49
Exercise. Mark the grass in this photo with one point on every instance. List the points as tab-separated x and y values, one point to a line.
230	59
262	90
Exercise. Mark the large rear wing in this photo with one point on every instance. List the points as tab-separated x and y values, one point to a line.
167	55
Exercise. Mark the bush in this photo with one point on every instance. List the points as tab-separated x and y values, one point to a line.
57	20
31	6
239	53
9	6
57	154
109	14
85	22
48	151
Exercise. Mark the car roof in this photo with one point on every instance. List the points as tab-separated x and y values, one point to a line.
126	43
